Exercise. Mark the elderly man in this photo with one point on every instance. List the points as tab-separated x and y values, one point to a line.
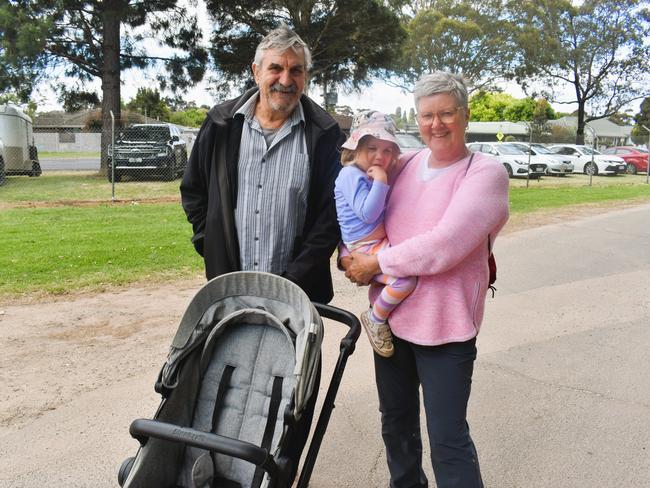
258	189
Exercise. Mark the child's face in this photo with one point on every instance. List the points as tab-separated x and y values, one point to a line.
375	152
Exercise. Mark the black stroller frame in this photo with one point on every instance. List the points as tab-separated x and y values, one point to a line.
277	471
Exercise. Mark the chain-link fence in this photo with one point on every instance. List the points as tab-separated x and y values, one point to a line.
60	159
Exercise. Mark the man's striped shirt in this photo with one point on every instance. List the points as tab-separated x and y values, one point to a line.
273	185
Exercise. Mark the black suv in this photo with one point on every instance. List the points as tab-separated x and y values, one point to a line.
148	149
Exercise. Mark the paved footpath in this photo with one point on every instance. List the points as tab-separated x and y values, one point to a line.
561	394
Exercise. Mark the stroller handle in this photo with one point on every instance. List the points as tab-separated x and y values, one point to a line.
344	317
143	429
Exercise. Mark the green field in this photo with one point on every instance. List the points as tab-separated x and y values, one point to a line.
55	250
68	154
60	233
60	186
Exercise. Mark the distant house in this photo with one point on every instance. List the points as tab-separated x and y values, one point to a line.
490	131
67	132
81	131
607	132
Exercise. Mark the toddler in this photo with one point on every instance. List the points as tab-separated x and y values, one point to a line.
360	192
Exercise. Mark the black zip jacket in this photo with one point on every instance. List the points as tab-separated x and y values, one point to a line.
209	196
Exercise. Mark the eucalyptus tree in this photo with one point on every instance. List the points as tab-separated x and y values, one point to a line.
350	39
596	51
97	40
469	37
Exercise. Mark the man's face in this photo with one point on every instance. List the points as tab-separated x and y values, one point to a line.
281	79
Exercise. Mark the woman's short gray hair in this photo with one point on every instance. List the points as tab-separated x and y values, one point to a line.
441	82
282	38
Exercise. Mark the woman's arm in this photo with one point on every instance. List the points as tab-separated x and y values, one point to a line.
478	207
360	268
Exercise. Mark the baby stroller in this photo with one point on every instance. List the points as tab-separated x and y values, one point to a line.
237	388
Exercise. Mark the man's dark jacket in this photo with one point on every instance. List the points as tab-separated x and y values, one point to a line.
209	196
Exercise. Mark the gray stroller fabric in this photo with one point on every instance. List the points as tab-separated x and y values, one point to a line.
236	291
258	348
262	327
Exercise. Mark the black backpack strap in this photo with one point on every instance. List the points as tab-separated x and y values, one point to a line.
224	385
468	164
492	264
274	406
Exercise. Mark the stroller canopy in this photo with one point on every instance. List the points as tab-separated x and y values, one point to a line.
229	294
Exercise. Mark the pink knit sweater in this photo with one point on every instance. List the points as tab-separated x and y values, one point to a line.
438	230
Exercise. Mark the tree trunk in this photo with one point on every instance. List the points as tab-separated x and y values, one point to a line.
110	73
580	133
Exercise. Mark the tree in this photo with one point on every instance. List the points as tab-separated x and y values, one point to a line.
75	100
14	99
468	37
599	49
190	117
349	39
97	40
639	133
148	102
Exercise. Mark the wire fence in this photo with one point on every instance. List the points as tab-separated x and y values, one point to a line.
67	163
62	163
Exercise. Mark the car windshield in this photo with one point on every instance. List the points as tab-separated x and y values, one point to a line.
588	150
154	133
408	141
541	149
509	149
640	149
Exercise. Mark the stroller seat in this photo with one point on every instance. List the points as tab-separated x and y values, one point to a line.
247	368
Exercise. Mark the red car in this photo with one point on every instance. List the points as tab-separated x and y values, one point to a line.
635	157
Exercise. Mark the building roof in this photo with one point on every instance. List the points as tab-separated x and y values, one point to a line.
509	128
602	127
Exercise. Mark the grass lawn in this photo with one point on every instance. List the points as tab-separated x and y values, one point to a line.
574	190
61	247
68	154
58	186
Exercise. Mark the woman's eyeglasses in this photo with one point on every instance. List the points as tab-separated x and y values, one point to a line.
445	116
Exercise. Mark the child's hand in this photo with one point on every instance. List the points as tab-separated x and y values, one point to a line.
377	173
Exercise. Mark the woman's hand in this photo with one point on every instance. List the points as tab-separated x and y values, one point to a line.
361	268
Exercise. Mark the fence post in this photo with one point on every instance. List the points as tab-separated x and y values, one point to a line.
647	170
593	149
112	155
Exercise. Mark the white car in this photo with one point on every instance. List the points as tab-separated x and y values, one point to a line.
408	142
589	161
514	159
556	164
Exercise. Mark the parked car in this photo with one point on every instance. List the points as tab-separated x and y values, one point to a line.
408	142
636	158
556	164
513	158
148	149
19	155
582	160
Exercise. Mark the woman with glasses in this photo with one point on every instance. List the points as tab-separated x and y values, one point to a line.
446	207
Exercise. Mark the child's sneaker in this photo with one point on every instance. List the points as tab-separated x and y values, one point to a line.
381	338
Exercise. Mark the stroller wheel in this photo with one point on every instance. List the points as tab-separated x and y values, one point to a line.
125	469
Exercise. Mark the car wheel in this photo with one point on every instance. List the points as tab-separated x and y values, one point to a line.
631	169
591	169
509	170
36	169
